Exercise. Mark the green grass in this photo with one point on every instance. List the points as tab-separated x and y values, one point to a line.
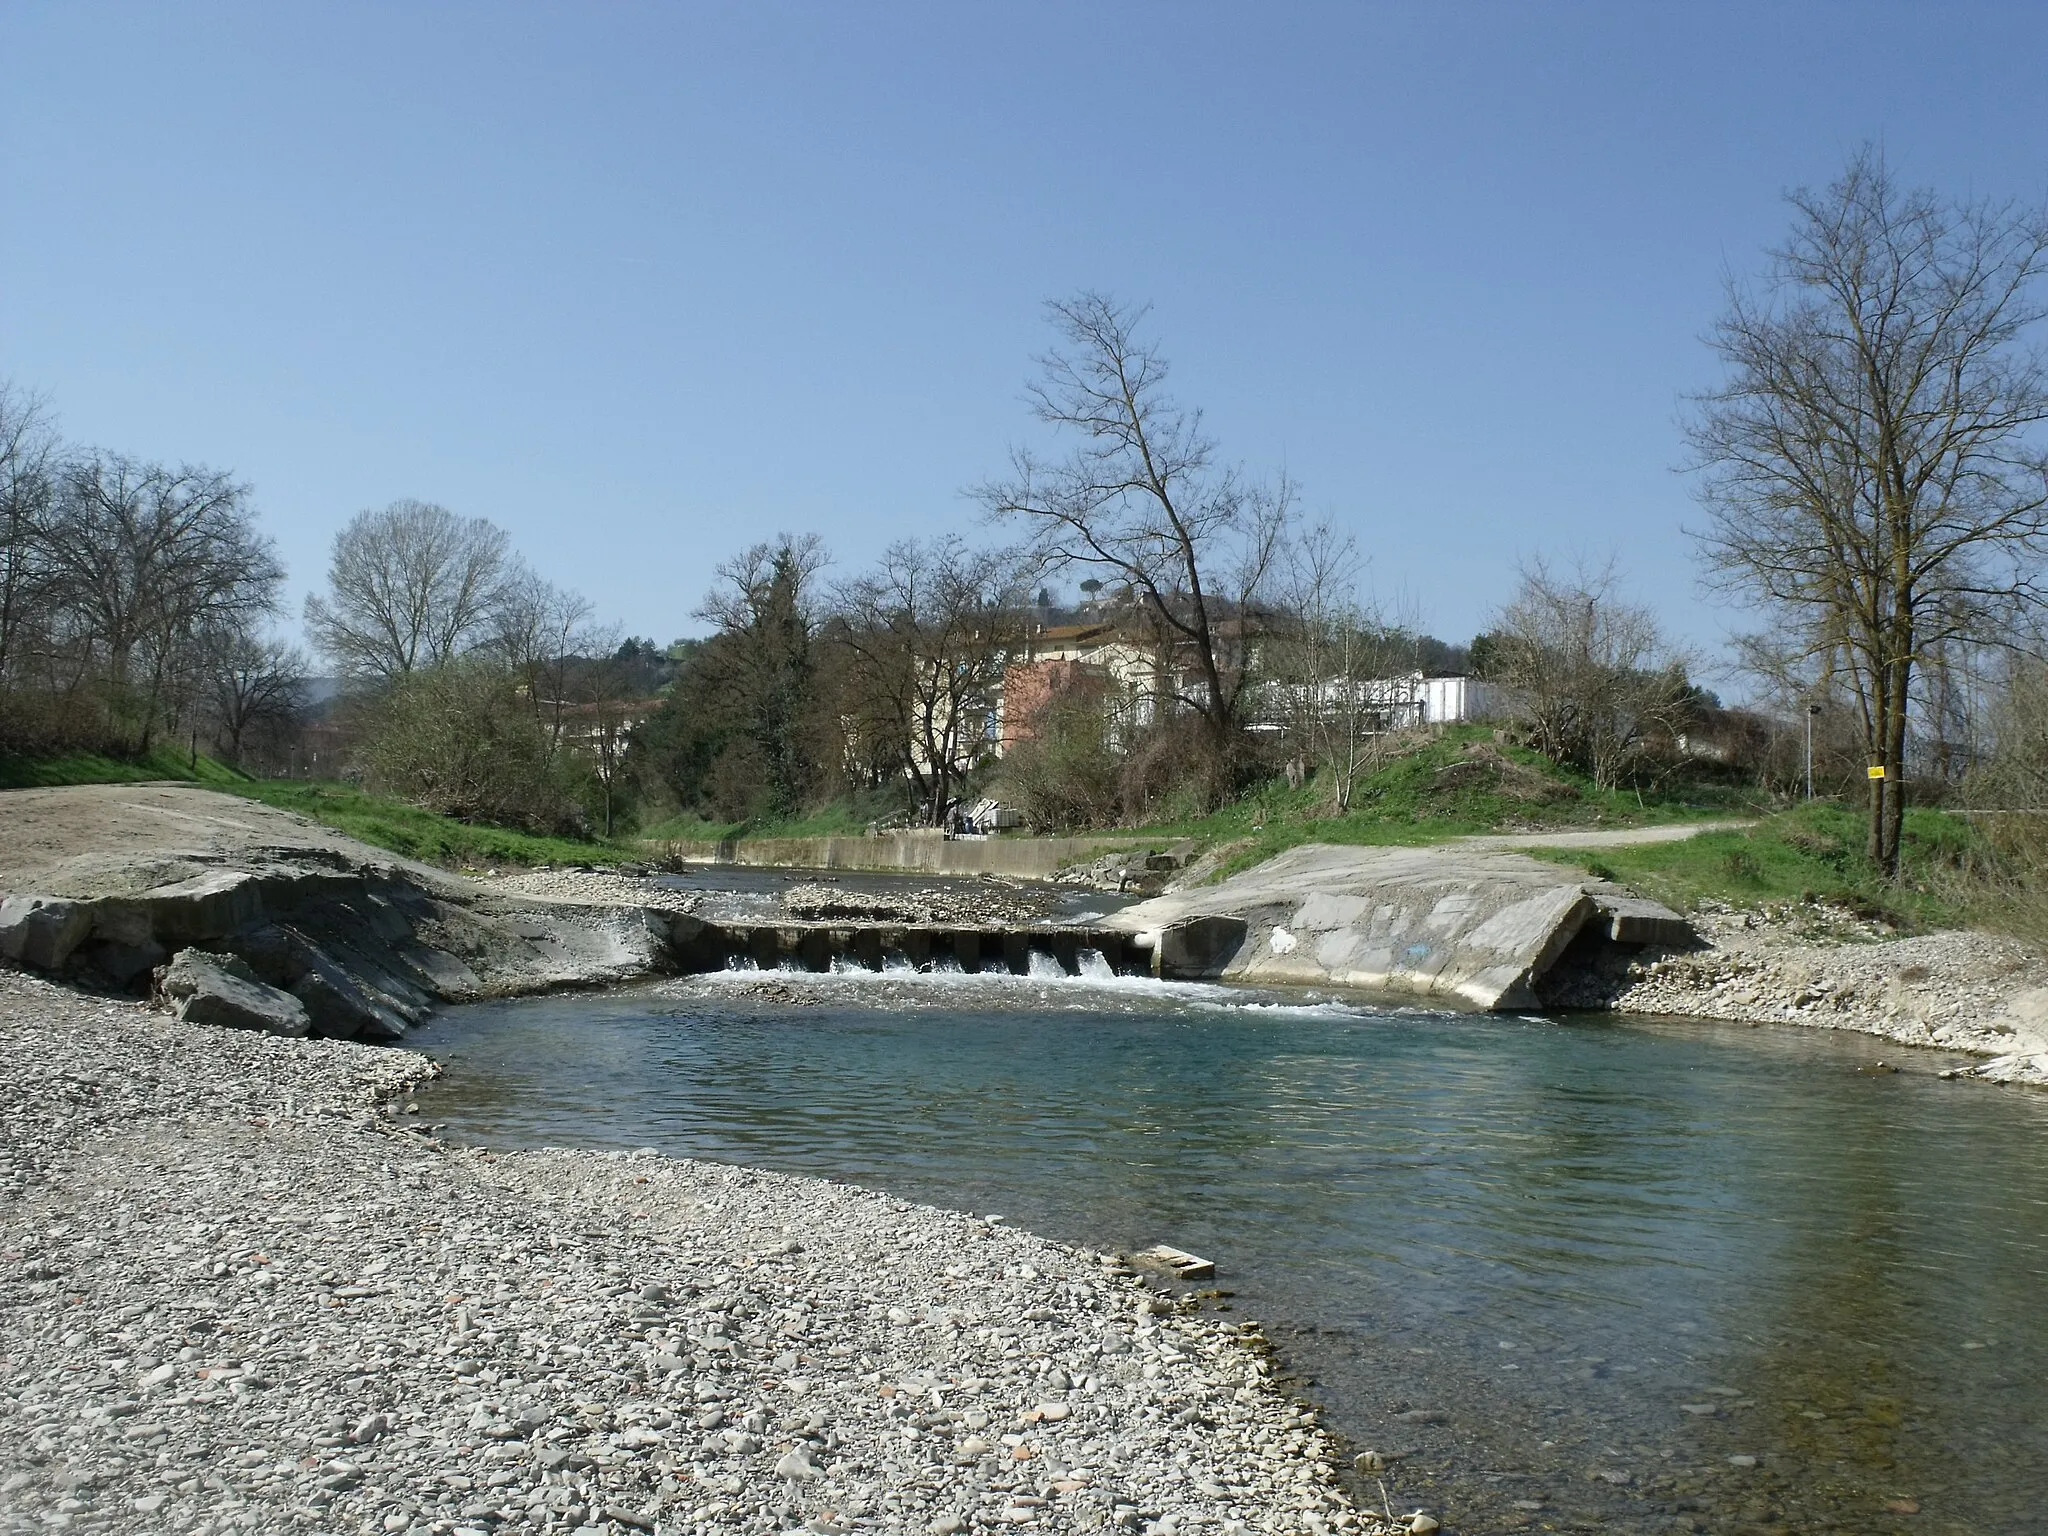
1814	852
93	768
417	834
842	818
1420	798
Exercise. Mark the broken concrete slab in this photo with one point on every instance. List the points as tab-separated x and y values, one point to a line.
1177	1262
222	990
205	906
1633	920
1478	927
42	931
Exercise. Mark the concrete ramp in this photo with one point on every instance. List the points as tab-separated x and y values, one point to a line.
1484	928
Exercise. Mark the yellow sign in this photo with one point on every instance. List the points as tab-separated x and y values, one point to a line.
1876	771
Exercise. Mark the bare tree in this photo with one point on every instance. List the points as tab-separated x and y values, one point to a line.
542	631
28	488
146	558
411	586
933	626
1873	470
1590	676
253	686
1337	672
1143	499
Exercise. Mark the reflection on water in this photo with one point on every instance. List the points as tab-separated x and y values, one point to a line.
1649	1278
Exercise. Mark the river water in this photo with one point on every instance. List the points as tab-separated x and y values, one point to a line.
1561	1274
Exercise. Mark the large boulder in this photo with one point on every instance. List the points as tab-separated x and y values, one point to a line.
222	990
42	931
342	1008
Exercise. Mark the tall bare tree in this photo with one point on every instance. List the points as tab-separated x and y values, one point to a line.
1143	499
543	631
410	586
28	489
932	626
1873	466
147	558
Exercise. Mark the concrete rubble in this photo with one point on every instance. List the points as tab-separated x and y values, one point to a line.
307	931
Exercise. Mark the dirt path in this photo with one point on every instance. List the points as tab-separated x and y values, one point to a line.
1614	837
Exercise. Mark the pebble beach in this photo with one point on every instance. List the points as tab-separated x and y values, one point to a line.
243	1289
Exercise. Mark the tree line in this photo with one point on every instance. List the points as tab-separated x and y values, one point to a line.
136	600
1870	467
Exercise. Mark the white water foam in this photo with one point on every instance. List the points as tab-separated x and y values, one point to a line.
943	981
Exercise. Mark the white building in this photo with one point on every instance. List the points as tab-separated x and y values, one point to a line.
1456	700
1395	703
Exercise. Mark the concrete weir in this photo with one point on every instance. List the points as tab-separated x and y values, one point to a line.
879	946
1486	929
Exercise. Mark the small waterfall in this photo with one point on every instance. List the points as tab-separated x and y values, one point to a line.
947	965
1095	966
741	963
1045	968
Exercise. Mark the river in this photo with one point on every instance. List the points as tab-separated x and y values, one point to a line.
1560	1274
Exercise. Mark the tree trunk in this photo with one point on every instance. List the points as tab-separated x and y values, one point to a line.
1894	781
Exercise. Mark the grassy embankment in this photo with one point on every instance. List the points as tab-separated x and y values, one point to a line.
1465	784
1459	784
384	823
842	818
424	835
1813	852
92	768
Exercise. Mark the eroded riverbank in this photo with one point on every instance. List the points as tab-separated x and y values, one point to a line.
240	1295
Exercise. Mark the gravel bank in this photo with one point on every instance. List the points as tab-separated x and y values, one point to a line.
1817	966
587	886
239	1292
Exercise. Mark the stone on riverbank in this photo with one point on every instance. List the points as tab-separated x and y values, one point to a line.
221	990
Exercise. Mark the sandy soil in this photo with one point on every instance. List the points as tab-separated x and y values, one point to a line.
114	839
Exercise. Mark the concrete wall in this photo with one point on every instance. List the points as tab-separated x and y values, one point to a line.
1478	926
923	853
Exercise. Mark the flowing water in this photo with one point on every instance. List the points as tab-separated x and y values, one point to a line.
1562	1275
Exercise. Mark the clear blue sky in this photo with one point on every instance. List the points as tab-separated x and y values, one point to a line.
644	284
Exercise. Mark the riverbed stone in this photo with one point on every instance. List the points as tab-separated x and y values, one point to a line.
222	990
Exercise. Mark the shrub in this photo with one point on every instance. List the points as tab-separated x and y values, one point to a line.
458	740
